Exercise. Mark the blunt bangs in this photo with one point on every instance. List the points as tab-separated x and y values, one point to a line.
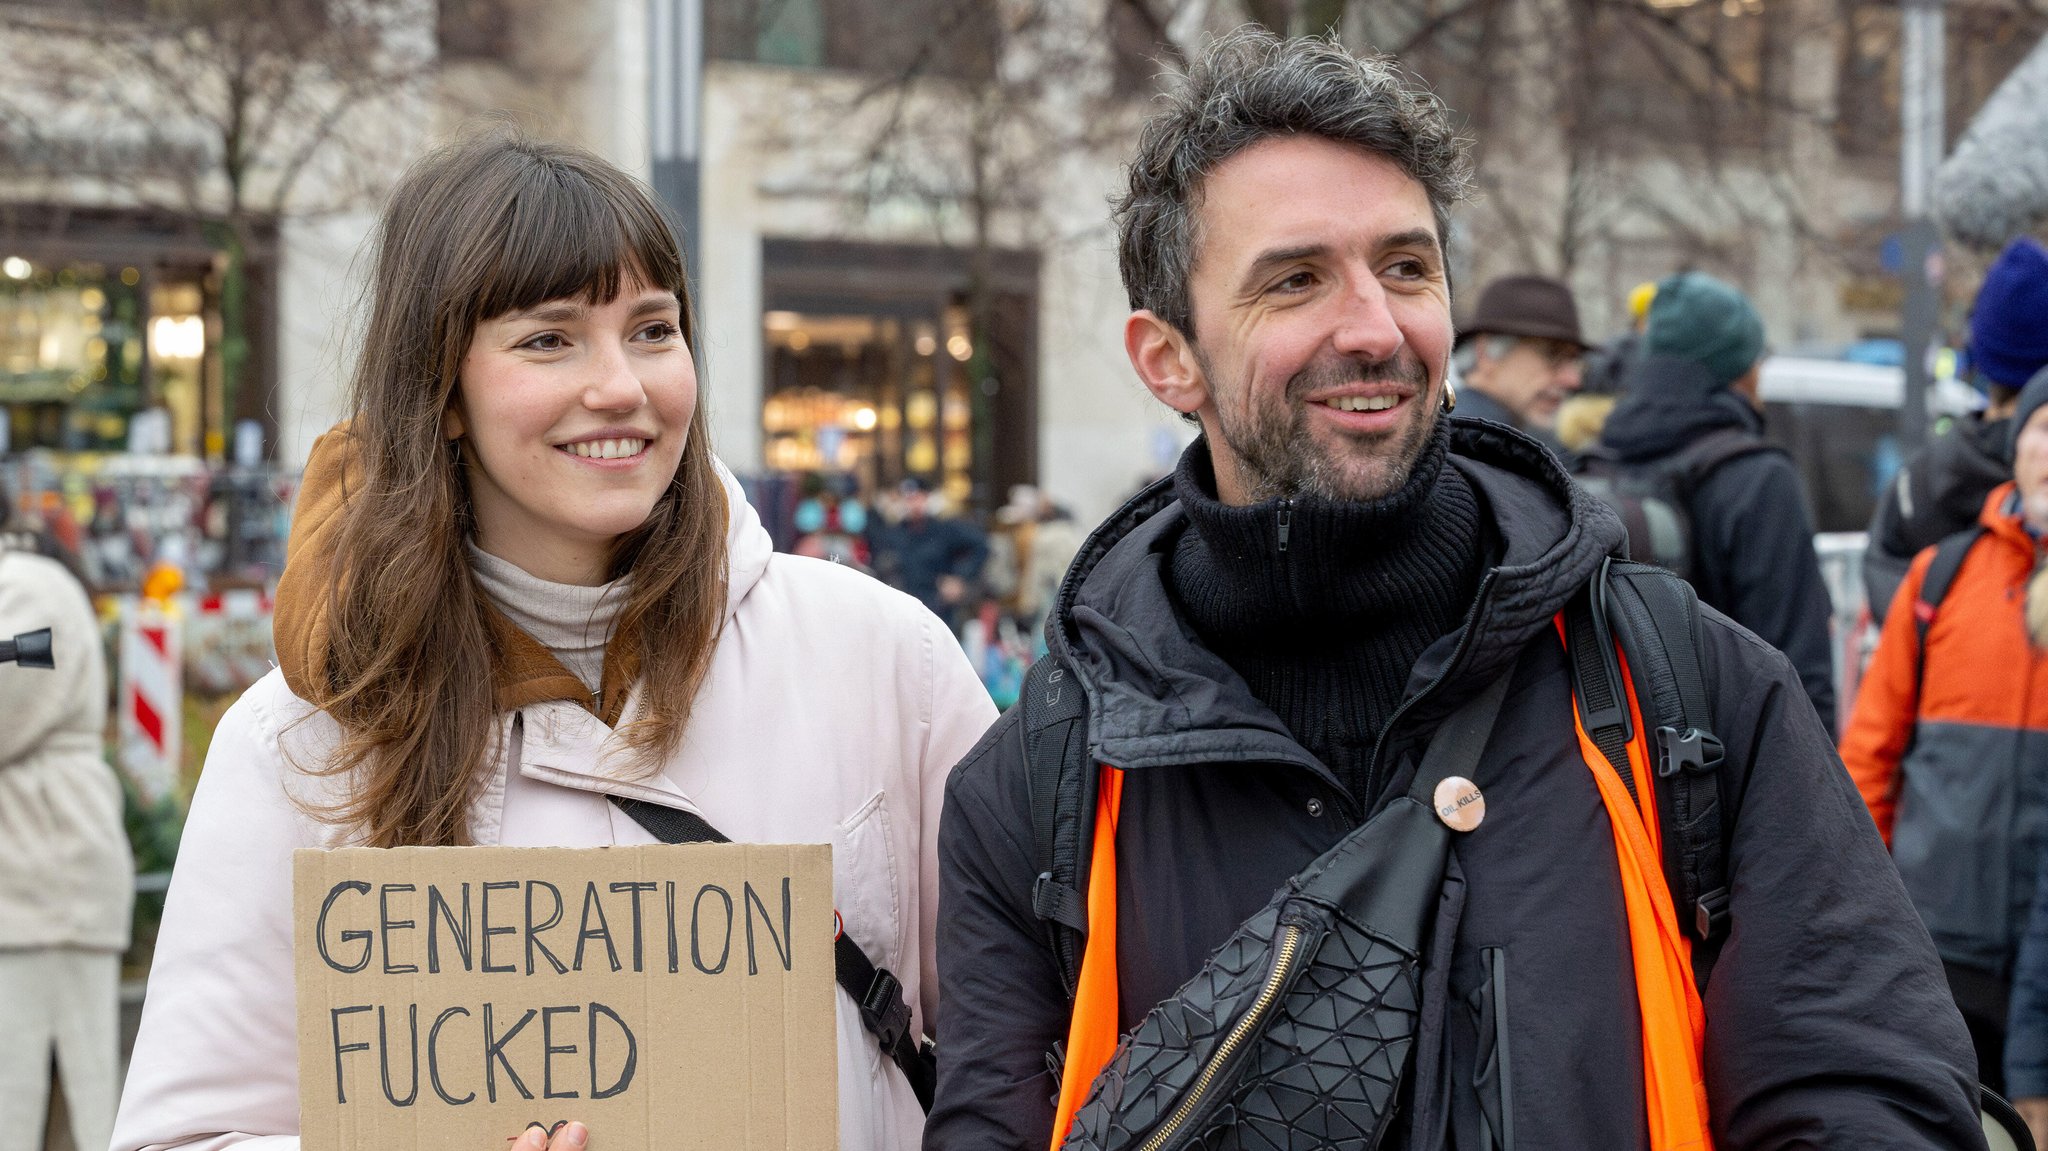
568	231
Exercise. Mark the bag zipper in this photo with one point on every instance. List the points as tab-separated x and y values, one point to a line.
1285	953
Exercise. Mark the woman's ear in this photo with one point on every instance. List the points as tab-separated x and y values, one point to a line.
451	422
1165	360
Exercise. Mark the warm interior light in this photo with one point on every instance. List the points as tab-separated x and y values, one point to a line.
959	347
16	268
177	337
864	419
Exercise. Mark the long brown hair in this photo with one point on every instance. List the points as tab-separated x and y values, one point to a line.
499	223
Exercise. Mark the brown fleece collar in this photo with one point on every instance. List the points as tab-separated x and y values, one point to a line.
529	674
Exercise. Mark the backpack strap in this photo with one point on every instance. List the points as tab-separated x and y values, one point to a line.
1658	625
1653	617
1701	458
1941	573
1063	782
875	990
1597	690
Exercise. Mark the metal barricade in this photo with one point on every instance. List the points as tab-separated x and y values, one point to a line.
1853	632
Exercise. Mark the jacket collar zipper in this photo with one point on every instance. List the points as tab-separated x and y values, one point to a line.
1451	666
1286	522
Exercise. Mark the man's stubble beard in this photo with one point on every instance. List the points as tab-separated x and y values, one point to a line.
1278	458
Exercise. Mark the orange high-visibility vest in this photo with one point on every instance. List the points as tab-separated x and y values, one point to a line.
1673	1020
1092	1036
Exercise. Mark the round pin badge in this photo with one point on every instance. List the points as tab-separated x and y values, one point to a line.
1459	803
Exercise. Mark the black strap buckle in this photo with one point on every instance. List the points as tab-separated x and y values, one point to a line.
1710	914
884	1011
1688	750
1058	902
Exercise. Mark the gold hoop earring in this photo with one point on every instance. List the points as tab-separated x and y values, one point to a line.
1450	400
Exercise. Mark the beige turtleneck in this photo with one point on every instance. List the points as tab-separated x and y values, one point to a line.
573	622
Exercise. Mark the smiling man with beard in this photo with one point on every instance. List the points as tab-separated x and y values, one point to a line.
1267	642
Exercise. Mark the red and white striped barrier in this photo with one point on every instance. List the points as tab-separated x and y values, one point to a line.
152	697
227	640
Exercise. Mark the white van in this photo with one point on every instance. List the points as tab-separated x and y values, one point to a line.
1840	421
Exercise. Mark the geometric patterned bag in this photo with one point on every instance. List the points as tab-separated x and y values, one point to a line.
1296	1034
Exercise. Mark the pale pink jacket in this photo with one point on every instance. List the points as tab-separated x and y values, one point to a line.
833	710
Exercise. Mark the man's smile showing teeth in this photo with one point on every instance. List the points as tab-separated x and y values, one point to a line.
606	449
1363	403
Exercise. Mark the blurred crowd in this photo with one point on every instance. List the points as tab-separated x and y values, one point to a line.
991	581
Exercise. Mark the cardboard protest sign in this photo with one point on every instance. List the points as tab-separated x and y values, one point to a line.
672	997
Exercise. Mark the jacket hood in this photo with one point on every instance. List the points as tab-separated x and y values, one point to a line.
1976	458
1669	402
1157	696
528	673
2001	517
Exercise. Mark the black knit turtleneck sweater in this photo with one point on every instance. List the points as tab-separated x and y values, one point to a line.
1325	606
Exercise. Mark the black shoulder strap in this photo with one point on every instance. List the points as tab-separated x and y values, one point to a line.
1055	722
1460	741
1654	616
876	990
1941	572
1699	459
1658	625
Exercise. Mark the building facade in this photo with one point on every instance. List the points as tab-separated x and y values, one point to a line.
905	266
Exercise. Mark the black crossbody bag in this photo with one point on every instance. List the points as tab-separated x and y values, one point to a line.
875	990
1297	1033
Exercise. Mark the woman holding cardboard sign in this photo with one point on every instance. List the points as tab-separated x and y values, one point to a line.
520	588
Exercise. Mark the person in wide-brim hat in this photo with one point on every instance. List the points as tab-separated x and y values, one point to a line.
1521	354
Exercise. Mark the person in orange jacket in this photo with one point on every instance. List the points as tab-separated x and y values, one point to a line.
1949	740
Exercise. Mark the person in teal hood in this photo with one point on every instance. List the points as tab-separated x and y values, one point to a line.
1752	533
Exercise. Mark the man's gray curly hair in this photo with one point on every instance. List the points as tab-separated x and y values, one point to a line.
1249	86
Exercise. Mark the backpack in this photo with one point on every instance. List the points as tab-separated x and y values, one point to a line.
1654	497
1651	612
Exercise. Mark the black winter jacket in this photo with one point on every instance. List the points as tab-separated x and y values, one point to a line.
1752	532
1939	492
1829	1023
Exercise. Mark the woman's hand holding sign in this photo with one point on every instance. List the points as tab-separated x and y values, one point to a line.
567	1137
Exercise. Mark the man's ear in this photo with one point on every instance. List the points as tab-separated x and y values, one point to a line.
1165	360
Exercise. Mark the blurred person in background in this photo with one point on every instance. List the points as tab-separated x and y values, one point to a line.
1949	746
1519	358
1608	364
832	524
1053	548
1028	554
1009	548
930	554
1691	410
1583	416
67	881
1941	489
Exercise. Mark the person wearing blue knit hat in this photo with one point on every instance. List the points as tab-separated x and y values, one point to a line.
2009	324
1940	491
1690	425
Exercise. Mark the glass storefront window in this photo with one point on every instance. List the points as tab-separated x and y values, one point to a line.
875	370
86	349
879	398
178	344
